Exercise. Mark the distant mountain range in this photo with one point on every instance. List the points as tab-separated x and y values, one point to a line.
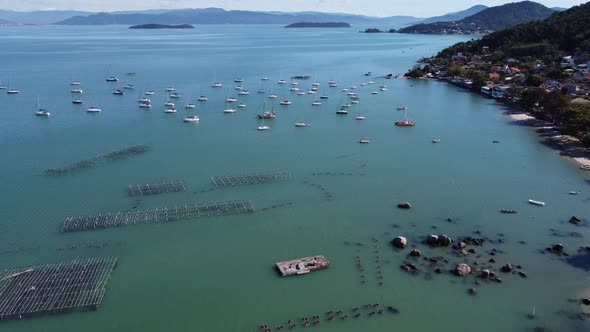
487	20
455	16
221	16
217	16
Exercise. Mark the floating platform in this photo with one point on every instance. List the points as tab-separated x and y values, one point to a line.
54	288
303	265
116	219
256	178
157	188
92	162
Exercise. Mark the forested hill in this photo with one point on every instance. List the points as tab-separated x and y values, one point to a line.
562	33
487	20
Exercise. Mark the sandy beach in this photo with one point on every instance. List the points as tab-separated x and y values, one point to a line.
569	145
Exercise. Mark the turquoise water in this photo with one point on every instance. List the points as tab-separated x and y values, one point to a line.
217	274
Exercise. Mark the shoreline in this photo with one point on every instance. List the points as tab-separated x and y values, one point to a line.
569	146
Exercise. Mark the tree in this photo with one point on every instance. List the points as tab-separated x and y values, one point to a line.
534	81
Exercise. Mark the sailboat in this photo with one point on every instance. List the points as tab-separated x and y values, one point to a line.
228	109
190	118
11	91
40	111
267	115
216	84
359	117
93	109
405	122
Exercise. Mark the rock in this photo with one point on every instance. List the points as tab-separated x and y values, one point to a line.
485	274
404	205
444	241
471	251
462	245
464	252
575	220
438	270
462	269
586	301
432	240
557	248
506	268
415	253
492	260
522	274
472	291
400	242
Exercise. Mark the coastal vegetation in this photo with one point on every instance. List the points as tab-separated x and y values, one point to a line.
319	25
487	20
540	66
161	26
375	30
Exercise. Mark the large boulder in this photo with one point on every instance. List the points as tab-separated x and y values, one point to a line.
506	268
444	241
462	269
432	240
415	253
557	248
400	242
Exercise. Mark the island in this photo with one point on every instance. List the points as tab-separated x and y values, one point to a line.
161	26
319	25
375	30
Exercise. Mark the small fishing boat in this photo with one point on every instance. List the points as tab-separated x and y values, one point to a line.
202	98
118	92
585	167
300	77
93	109
272	96
76	90
286	102
364	141
383	89
192	118
538	203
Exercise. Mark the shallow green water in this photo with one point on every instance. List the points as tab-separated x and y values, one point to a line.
217	274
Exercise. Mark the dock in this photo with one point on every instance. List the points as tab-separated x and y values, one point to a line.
303	265
186	212
54	288
157	188
256	178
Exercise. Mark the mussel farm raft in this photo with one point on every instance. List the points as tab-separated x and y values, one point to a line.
303	265
54	288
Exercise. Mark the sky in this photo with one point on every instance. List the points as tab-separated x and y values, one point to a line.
419	8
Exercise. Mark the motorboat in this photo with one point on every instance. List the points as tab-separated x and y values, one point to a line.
190	105
150	93
42	112
301	93
112	79
76	90
437	140
316	103
12	92
170	110
175	95
75	83
360	117
354	102
93	109
202	98
301	124
324	97
192	118
229	110
282	82
243	93
402	108
264	78
374	92
285	102
169	104
294	89
216	85
145	105
342	111
272	96
129	87
538	203
263	128
231	100
261	90
239	80
118	92
364	141
242	105
76	101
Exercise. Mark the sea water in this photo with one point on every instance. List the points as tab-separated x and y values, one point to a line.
217	274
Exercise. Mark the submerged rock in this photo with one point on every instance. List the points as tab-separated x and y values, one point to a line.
462	269
404	205
575	220
415	253
506	268
432	240
400	242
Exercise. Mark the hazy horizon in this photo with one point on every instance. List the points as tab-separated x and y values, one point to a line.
379	8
